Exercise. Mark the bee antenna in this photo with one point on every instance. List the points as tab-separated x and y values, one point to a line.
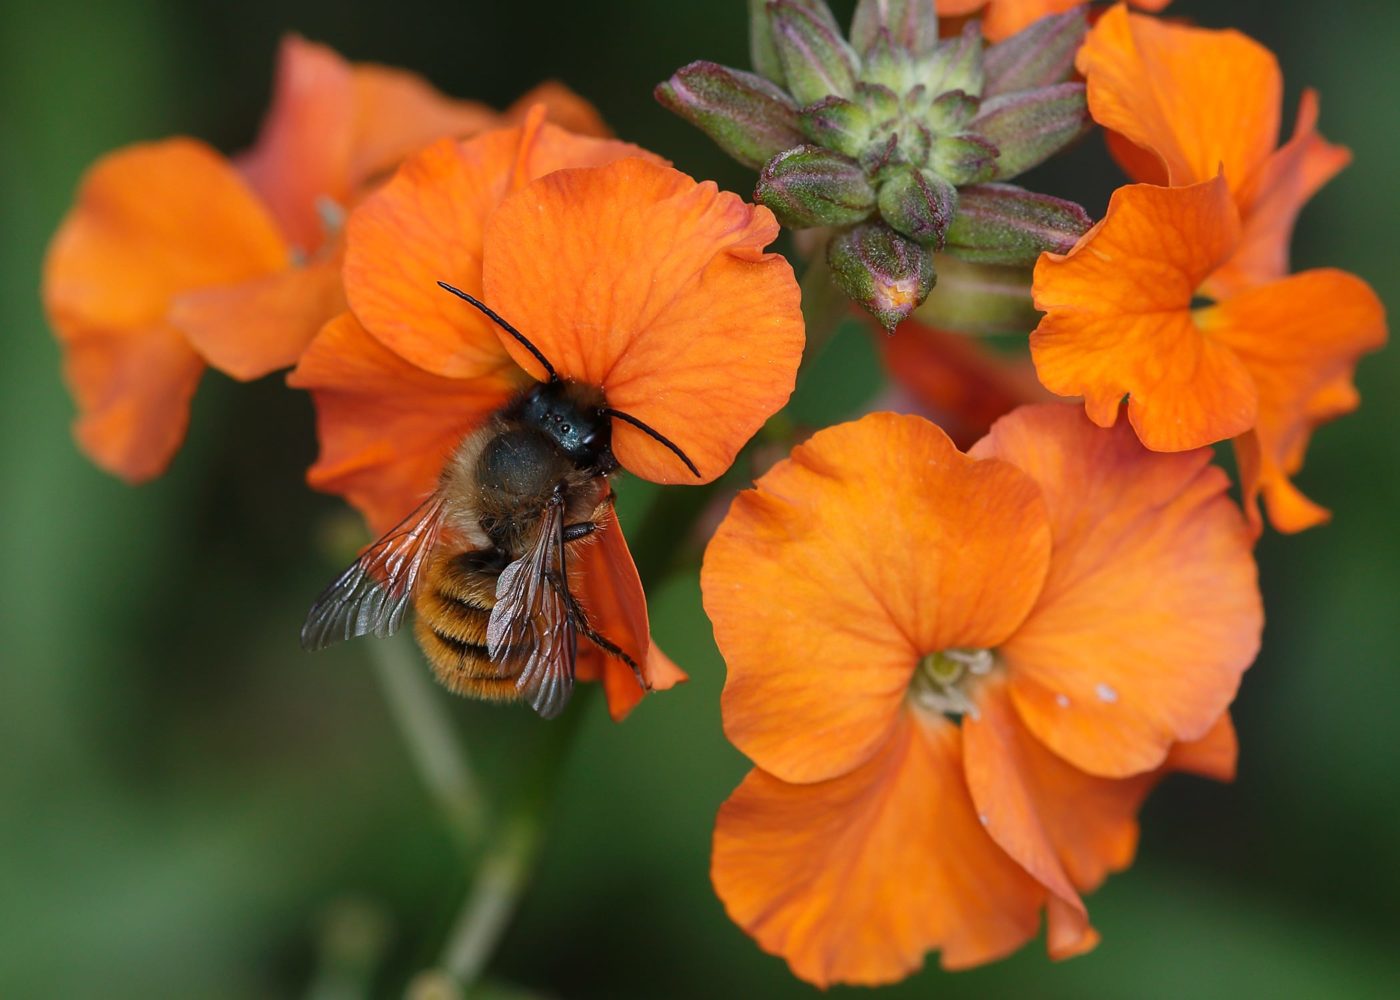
539	356
608	411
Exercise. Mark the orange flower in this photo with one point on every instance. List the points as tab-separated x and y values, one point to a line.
1184	104
958	676
174	257
623	272
1264	365
961	384
1003	18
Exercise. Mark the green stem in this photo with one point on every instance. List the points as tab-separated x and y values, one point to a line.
426	727
824	306
506	866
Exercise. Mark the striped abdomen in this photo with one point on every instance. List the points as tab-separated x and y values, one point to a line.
453	606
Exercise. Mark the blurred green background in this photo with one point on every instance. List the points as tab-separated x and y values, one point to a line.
188	802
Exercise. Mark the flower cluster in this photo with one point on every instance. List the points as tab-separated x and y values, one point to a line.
959	655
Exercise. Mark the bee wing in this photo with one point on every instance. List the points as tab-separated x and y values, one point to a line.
374	592
530	623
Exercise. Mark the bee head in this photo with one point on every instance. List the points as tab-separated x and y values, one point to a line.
570	415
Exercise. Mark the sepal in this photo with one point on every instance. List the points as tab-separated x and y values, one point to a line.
1030	126
748	117
919	204
1005	224
813	186
816	60
1040	56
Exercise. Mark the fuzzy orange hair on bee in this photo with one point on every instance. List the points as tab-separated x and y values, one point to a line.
484	561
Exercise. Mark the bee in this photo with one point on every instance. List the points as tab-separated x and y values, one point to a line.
484	561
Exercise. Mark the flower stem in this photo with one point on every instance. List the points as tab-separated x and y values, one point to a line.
506	866
427	731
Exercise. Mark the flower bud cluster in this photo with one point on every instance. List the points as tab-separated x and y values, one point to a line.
897	140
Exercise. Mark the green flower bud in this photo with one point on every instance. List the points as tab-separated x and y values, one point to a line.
919	204
956	63
813	186
912	24
965	159
880	102
749	118
836	123
888	65
885	273
951	111
816	60
763	51
1030	126
1005	224
1039	56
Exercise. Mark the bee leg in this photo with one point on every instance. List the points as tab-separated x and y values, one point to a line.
573	532
580	620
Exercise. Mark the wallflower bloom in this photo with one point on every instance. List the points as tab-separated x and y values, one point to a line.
625	273
1003	18
174	257
1183	104
958	675
1264	365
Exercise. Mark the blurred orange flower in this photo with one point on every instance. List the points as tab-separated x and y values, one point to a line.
1183	104
959	675
1003	18
174	257
624	272
1122	318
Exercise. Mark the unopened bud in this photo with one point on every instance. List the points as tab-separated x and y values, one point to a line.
912	24
812	186
965	159
751	119
949	112
836	123
1030	126
956	63
816	60
1005	224
919	204
1039	56
887	64
882	271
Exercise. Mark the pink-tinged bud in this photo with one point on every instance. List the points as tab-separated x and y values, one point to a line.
816	60
885	63
1030	126
1005	224
885	273
763	51
950	112
749	118
1039	56
955	63
912	24
918	203
813	186
965	159
836	123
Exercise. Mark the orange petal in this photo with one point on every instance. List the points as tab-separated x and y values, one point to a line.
1151	609
425	226
385	427
397	113
635	278
1213	755
260	326
562	107
1119	319
999	776
962	384
1300	338
302	154
1202	101
852	880
1270	202
875	543
1006	17
611	593
150	222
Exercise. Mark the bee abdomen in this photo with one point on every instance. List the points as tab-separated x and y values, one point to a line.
453	609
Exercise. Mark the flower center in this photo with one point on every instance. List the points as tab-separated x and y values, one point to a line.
945	681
